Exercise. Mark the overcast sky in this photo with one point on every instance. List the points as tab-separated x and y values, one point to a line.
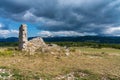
60	17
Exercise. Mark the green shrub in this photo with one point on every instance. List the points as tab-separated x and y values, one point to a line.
87	44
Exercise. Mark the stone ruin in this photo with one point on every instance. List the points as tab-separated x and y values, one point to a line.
24	44
35	44
23	37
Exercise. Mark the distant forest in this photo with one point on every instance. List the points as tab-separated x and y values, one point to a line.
69	44
86	41
97	39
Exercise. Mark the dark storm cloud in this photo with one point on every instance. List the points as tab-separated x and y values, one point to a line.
65	15
10	6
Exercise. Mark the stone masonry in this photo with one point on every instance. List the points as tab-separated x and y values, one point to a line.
36	44
23	37
29	46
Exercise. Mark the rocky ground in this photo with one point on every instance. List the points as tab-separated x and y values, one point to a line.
80	64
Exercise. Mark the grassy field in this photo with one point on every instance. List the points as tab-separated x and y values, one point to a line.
83	63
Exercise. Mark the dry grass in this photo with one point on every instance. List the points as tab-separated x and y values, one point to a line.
48	66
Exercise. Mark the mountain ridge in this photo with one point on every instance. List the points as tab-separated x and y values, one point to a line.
98	39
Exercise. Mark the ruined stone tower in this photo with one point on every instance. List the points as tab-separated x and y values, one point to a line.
23	37
35	44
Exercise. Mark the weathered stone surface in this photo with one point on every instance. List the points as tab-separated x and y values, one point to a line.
23	37
35	44
29	46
